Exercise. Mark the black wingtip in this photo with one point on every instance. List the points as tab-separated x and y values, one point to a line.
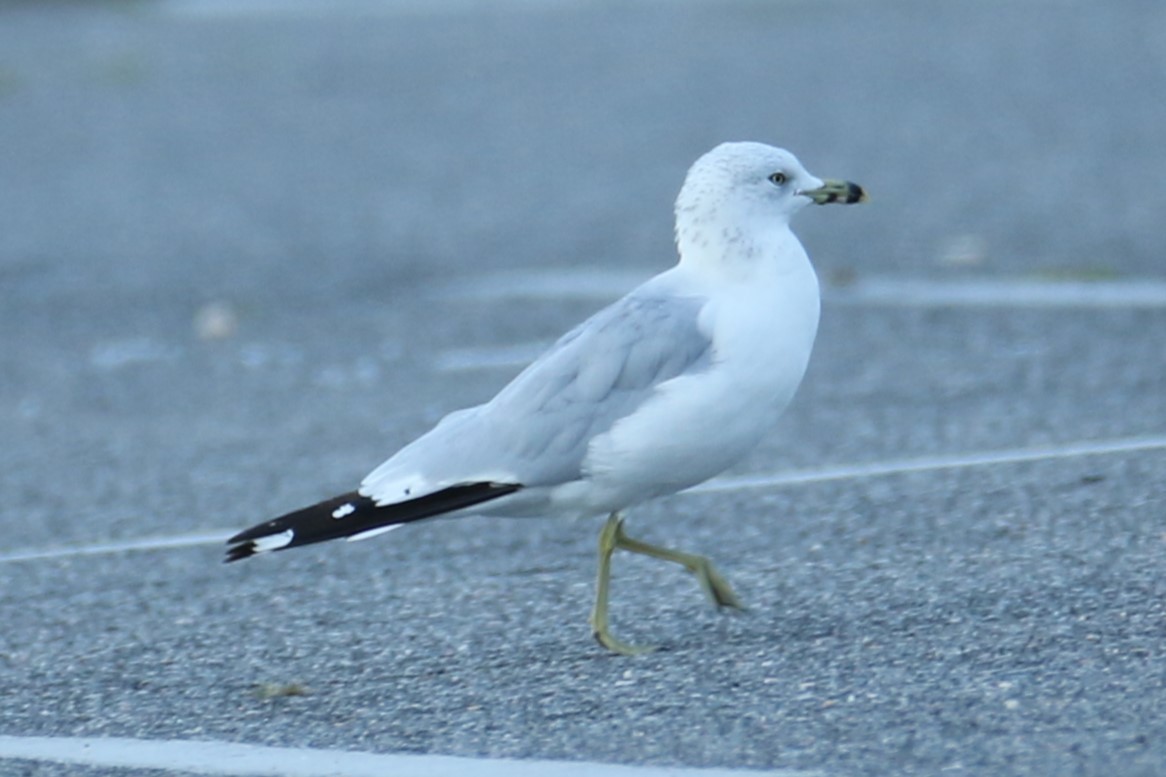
351	514
289	521
238	552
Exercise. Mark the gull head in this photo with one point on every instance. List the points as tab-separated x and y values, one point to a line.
739	190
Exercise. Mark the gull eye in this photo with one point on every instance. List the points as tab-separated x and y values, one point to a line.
778	179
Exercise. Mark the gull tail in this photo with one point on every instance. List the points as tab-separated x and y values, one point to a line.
356	517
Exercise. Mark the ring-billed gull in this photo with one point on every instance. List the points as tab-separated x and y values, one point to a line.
659	391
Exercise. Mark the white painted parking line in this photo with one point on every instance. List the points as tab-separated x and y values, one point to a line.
875	291
489	357
245	9
249	9
579	283
1113	446
208	537
931	463
229	758
1001	292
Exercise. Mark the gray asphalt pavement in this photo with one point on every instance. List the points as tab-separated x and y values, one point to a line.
321	179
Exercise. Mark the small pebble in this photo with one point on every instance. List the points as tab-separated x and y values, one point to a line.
215	321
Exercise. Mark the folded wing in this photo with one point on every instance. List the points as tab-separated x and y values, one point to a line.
536	431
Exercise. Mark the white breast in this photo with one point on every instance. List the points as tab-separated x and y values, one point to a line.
697	425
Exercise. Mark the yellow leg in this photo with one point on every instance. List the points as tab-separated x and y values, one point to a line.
611	537
608	541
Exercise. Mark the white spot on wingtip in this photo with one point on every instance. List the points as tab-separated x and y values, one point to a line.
343	510
364	535
274	541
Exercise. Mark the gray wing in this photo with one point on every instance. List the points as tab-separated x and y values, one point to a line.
535	432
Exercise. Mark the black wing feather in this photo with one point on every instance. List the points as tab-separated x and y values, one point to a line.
318	524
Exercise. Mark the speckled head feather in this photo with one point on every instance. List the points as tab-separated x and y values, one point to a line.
739	188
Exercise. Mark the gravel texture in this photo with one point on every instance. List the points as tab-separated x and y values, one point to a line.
221	244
